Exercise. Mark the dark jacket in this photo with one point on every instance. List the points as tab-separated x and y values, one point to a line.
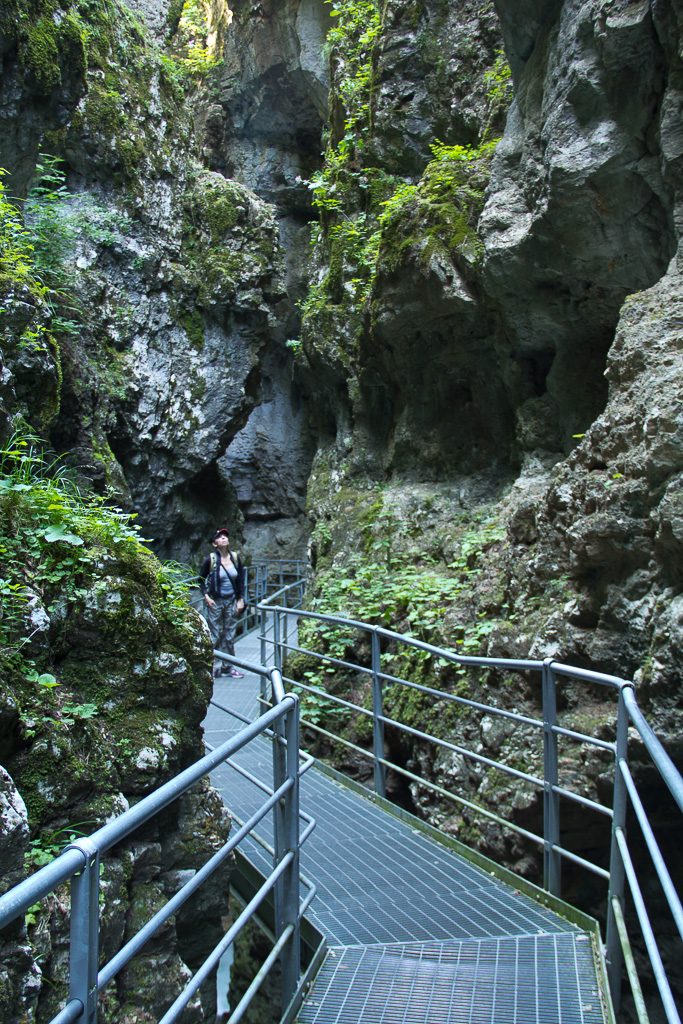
210	581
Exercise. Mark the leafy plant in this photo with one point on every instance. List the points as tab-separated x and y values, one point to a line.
498	82
73	712
51	224
443	207
175	580
49	845
195	39
54	535
352	43
16	243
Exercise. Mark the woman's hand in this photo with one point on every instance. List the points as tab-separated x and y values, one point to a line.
210	601
240	605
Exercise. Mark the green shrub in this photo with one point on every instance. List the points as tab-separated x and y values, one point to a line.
53	538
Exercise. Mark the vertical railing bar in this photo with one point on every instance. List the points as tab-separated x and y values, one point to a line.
263	684
629	960
378	717
552	861
286	840
84	931
277	654
617	873
658	970
289	618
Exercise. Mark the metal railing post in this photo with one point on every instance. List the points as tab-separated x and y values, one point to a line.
277	653
613	950
244	618
85	930
264	642
552	862
263	685
377	714
286	840
285	618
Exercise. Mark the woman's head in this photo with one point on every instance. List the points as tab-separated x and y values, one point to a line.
221	538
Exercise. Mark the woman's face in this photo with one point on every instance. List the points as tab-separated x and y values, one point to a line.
222	542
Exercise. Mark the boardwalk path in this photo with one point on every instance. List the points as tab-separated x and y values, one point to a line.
417	932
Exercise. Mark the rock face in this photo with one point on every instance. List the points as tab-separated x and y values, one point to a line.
271	103
494	328
175	279
490	346
430	82
481	394
179	300
137	293
267	464
263	127
82	737
580	210
613	507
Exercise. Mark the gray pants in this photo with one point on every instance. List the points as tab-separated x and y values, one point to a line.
222	622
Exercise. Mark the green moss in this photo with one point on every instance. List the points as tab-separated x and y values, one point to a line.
12	14
41	54
442	209
371	221
220	204
230	244
51	402
219	274
104	109
175	10
193	325
102	453
131	152
51	47
113	42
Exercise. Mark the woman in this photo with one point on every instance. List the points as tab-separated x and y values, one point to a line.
222	584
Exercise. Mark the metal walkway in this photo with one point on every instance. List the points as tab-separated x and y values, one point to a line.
417	932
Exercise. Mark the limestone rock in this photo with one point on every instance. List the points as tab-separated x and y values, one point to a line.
579	212
272	98
14	832
430	79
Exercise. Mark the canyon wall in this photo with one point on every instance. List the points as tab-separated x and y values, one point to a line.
400	280
493	337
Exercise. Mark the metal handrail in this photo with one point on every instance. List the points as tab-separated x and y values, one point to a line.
620	874
79	864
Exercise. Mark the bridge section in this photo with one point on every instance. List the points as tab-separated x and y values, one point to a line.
417	932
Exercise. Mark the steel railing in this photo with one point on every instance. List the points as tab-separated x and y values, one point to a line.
79	865
281	615
262	580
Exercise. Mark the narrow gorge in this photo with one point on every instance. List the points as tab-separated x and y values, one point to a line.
391	286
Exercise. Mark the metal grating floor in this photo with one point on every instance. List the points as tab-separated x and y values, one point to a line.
426	935
532	979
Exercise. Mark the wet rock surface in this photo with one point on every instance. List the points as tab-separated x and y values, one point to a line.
107	732
487	377
175	277
263	127
503	409
549	358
